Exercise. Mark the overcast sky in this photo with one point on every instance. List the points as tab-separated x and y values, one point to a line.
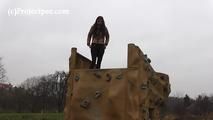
176	34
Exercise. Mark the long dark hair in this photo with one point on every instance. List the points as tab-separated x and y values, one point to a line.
99	29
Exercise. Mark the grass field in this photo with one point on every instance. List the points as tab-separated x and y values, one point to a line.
31	116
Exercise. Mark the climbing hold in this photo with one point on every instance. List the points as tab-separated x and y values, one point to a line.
85	103
162	77
77	78
109	77
144	86
146	59
97	94
119	76
97	75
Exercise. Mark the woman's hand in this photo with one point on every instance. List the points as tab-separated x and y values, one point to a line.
105	45
88	44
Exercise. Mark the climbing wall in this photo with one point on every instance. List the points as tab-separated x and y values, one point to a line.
132	93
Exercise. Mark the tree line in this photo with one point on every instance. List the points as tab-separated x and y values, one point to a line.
183	106
37	94
3	77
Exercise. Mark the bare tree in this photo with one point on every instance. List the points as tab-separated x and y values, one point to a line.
3	77
61	81
203	104
187	101
47	92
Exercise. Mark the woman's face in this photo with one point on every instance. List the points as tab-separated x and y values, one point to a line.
100	21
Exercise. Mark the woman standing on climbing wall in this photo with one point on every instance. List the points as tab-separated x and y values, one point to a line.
100	37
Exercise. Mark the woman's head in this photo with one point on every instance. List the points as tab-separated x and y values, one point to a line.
99	26
99	20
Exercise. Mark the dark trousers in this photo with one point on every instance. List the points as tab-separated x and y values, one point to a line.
97	52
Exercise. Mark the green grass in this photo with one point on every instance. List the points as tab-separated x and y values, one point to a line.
31	116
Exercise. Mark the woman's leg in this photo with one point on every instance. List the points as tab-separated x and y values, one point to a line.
93	54
100	55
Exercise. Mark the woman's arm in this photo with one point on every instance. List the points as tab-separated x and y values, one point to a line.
90	36
107	37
